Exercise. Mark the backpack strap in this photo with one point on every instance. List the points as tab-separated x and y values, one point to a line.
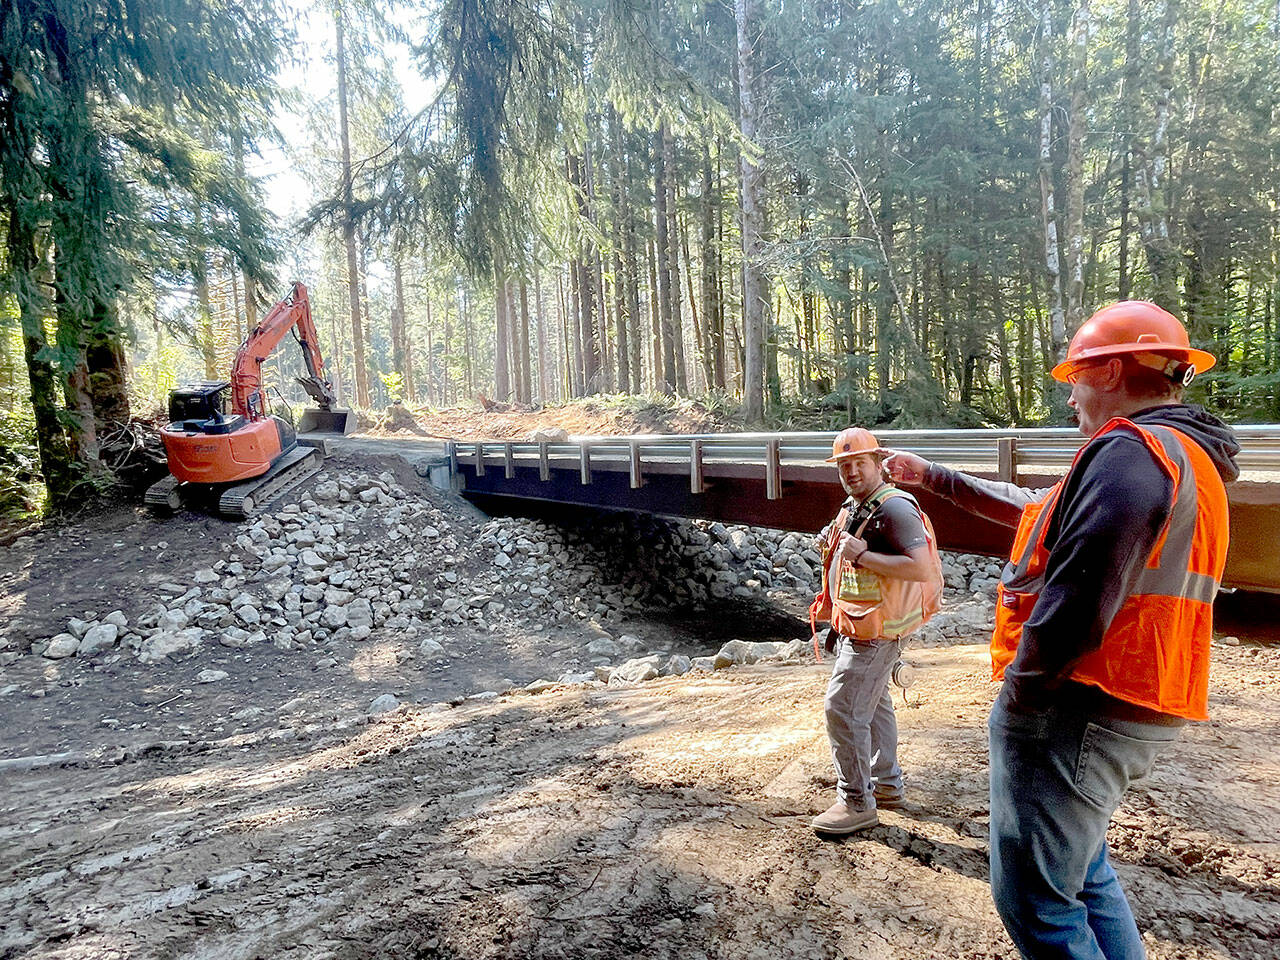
874	502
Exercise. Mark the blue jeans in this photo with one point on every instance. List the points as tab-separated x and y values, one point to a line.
1057	776
861	724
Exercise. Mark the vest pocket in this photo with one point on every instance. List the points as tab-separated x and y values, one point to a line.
858	585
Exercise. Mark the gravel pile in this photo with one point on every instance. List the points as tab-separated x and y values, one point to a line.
360	553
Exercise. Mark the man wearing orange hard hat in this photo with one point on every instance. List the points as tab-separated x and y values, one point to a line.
881	580
1103	623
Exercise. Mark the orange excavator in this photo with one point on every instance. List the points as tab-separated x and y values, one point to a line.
238	462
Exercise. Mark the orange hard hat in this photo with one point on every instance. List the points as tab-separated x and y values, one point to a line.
852	441
1129	327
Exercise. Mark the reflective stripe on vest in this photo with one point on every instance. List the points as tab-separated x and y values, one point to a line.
1155	652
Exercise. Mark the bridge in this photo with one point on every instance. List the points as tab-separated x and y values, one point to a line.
781	480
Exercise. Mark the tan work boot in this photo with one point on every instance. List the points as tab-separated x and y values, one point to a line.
840	818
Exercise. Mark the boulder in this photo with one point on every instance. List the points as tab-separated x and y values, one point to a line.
173	620
747	651
63	645
602	647
384	704
359	613
166	643
334	617
548	435
431	648
677	665
636	670
101	636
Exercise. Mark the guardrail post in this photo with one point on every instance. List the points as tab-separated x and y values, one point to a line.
773	470
637	478
584	462
544	463
451	451
696	482
479	459
509	461
1007	456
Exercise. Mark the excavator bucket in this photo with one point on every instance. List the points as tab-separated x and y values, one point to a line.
318	420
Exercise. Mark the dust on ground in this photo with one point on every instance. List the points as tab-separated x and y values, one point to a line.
270	816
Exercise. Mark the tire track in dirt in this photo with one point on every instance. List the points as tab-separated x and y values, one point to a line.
661	821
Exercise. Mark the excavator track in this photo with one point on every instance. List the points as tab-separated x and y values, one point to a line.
162	496
238	500
245	499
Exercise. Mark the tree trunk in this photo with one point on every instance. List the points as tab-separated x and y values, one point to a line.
655	322
397	325
621	303
105	365
348	223
468	345
23	265
578	377
541	320
713	321
663	251
526	387
1150	162
673	260
1077	120
754	305
204	314
1048	213
501	341
633	285
701	336
447	396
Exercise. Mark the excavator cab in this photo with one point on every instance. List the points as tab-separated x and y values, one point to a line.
199	403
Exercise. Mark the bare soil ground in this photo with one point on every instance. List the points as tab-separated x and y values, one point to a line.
268	816
580	418
662	821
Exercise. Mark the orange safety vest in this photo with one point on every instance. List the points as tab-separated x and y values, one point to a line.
1155	653
869	606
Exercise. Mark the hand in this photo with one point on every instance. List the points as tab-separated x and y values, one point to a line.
904	467
851	547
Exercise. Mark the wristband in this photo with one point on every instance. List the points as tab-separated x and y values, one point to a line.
861	553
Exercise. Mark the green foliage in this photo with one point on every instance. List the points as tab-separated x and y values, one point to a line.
394	385
22	492
106	190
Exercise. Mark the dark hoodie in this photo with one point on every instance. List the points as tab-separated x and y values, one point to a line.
1105	525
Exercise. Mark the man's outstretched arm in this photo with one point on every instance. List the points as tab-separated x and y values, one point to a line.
996	500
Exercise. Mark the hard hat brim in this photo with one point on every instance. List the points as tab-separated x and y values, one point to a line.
1201	359
846	454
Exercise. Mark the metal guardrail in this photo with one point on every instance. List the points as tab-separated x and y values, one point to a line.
1003	452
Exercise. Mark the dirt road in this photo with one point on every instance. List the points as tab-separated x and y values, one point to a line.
660	821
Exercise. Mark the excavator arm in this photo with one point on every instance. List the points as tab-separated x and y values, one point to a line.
293	313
